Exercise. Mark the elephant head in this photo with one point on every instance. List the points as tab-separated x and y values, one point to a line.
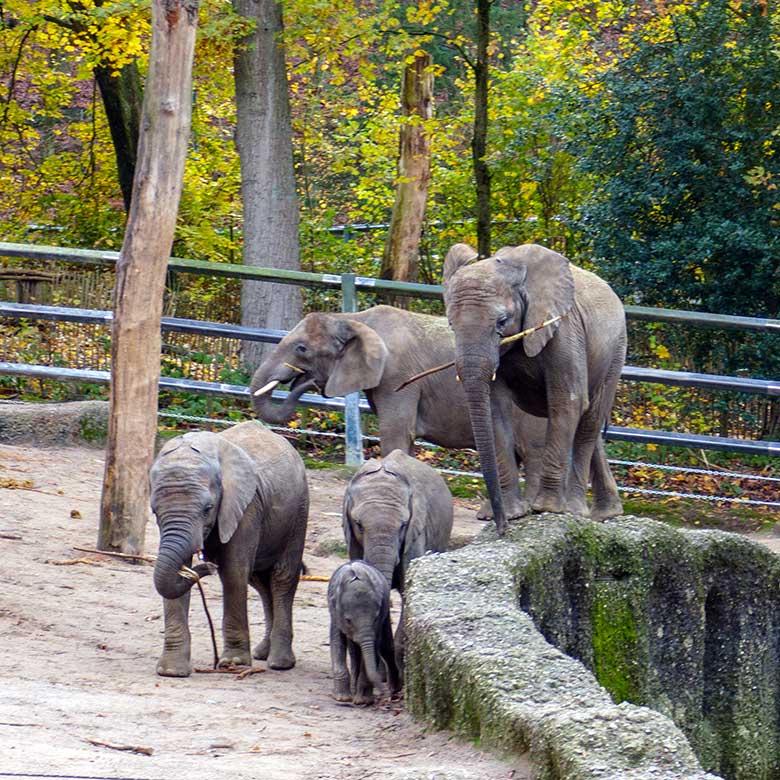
329	351
201	484
490	299
378	518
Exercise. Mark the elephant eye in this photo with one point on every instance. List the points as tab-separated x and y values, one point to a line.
207	509
301	349
501	322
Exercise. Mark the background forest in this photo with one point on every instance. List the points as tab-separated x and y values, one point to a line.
641	139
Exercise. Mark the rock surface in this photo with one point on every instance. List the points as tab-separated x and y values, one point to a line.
74	422
530	635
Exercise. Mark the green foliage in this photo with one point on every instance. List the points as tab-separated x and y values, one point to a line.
674	138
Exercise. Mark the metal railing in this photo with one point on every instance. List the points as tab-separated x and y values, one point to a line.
349	284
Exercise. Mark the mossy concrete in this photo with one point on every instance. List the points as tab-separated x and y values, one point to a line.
620	650
53	424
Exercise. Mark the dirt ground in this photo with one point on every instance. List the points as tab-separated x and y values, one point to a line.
80	635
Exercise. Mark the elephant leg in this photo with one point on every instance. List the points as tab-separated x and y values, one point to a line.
388	655
399	651
606	498
508	476
556	461
261	585
397	420
235	621
283	587
175	658
338	662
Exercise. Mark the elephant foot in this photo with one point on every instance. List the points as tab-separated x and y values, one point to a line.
234	656
262	649
549	502
600	513
364	697
171	665
341	691
578	506
514	507
281	660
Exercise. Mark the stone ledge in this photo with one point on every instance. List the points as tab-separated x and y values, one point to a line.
53	424
476	663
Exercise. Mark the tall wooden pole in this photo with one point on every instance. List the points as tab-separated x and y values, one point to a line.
140	276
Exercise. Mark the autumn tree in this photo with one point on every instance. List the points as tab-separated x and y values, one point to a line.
401	252
264	142
140	279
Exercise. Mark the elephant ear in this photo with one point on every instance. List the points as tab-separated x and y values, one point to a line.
354	550
239	484
458	256
362	360
548	289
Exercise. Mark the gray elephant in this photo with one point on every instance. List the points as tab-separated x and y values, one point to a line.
359	604
567	372
239	500
378	349
396	509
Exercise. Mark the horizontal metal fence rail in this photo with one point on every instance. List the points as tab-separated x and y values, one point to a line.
200	327
615	433
304	279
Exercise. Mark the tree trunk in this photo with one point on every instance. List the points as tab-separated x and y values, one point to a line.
400	260
270	203
140	277
122	96
479	140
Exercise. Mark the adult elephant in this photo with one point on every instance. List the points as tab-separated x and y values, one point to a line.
567	371
376	350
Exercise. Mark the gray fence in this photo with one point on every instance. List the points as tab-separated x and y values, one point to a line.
349	284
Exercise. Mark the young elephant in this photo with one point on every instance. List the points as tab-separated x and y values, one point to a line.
396	509
241	500
359	603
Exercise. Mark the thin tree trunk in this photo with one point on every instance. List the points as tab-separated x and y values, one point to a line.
122	96
479	140
270	202
401	257
140	279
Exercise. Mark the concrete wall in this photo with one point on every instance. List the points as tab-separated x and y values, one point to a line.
620	650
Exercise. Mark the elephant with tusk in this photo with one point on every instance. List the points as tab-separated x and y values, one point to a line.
377	350
566	371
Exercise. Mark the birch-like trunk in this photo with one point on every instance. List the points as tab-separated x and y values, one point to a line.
401	256
140	277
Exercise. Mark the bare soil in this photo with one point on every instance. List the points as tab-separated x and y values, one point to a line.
80	634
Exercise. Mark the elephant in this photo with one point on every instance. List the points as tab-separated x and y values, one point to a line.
239	500
376	350
359	604
566	371
396	509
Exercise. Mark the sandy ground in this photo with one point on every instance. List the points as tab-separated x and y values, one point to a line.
79	696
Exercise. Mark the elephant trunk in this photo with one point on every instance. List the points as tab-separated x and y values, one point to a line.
477	391
264	406
368	649
383	555
174	552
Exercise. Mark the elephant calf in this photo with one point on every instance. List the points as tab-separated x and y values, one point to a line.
396	509
359	603
238	499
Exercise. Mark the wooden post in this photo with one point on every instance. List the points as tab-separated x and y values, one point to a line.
400	259
140	277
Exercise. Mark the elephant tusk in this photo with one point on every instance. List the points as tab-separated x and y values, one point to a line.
265	388
493	378
457	377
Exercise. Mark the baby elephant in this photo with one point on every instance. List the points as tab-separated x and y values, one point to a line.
396	509
359	602
240	501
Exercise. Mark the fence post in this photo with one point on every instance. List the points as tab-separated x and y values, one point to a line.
353	455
